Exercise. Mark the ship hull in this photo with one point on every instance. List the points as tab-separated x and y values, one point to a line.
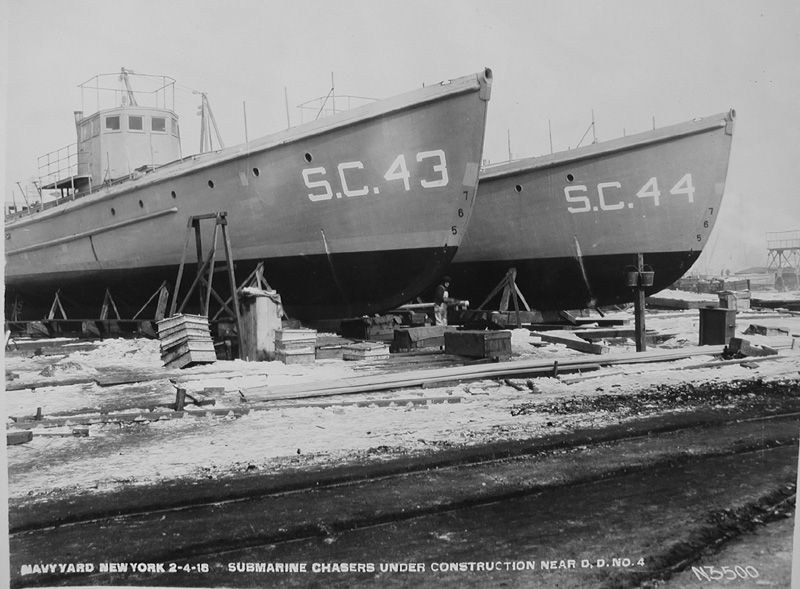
353	214
572	224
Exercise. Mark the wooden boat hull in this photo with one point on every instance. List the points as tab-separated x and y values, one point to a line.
353	214
572	223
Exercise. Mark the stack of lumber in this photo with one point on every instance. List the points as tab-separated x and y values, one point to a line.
296	346
185	341
366	351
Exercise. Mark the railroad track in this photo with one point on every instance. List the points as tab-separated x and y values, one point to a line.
207	524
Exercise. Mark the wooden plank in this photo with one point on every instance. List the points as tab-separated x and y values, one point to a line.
462	373
571	341
386	402
130	417
603	322
666	303
51	382
604	332
715	363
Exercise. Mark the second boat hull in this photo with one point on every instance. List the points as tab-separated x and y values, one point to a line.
573	223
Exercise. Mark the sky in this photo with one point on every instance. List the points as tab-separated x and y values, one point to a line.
554	63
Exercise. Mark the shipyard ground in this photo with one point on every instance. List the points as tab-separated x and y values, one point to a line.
673	471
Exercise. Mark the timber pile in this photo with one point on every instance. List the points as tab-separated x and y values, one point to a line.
417	378
185	341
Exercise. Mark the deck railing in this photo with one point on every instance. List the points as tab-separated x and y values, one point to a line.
58	165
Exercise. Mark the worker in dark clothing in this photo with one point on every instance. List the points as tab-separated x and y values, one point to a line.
440	299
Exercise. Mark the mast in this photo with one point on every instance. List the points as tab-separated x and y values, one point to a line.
129	98
207	121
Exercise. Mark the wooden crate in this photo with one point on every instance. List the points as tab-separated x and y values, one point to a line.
185	340
478	344
366	351
189	351
191	358
330	352
370	328
412	338
182	320
301	356
294	339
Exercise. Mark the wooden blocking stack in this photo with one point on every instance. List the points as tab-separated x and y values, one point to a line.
495	345
185	341
295	346
366	351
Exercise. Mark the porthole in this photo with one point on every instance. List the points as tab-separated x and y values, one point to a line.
308	157
211	184
570	177
256	172
173	194
141	205
113	212
518	188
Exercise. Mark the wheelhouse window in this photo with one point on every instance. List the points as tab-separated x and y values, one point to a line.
95	127
159	124
112	123
175	130
135	123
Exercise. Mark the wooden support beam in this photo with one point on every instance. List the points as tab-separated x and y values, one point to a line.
56	306
638	308
108	300
163	295
232	279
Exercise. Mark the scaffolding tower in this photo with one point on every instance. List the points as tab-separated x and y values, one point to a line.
783	258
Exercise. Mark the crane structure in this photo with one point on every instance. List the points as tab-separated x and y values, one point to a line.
783	258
